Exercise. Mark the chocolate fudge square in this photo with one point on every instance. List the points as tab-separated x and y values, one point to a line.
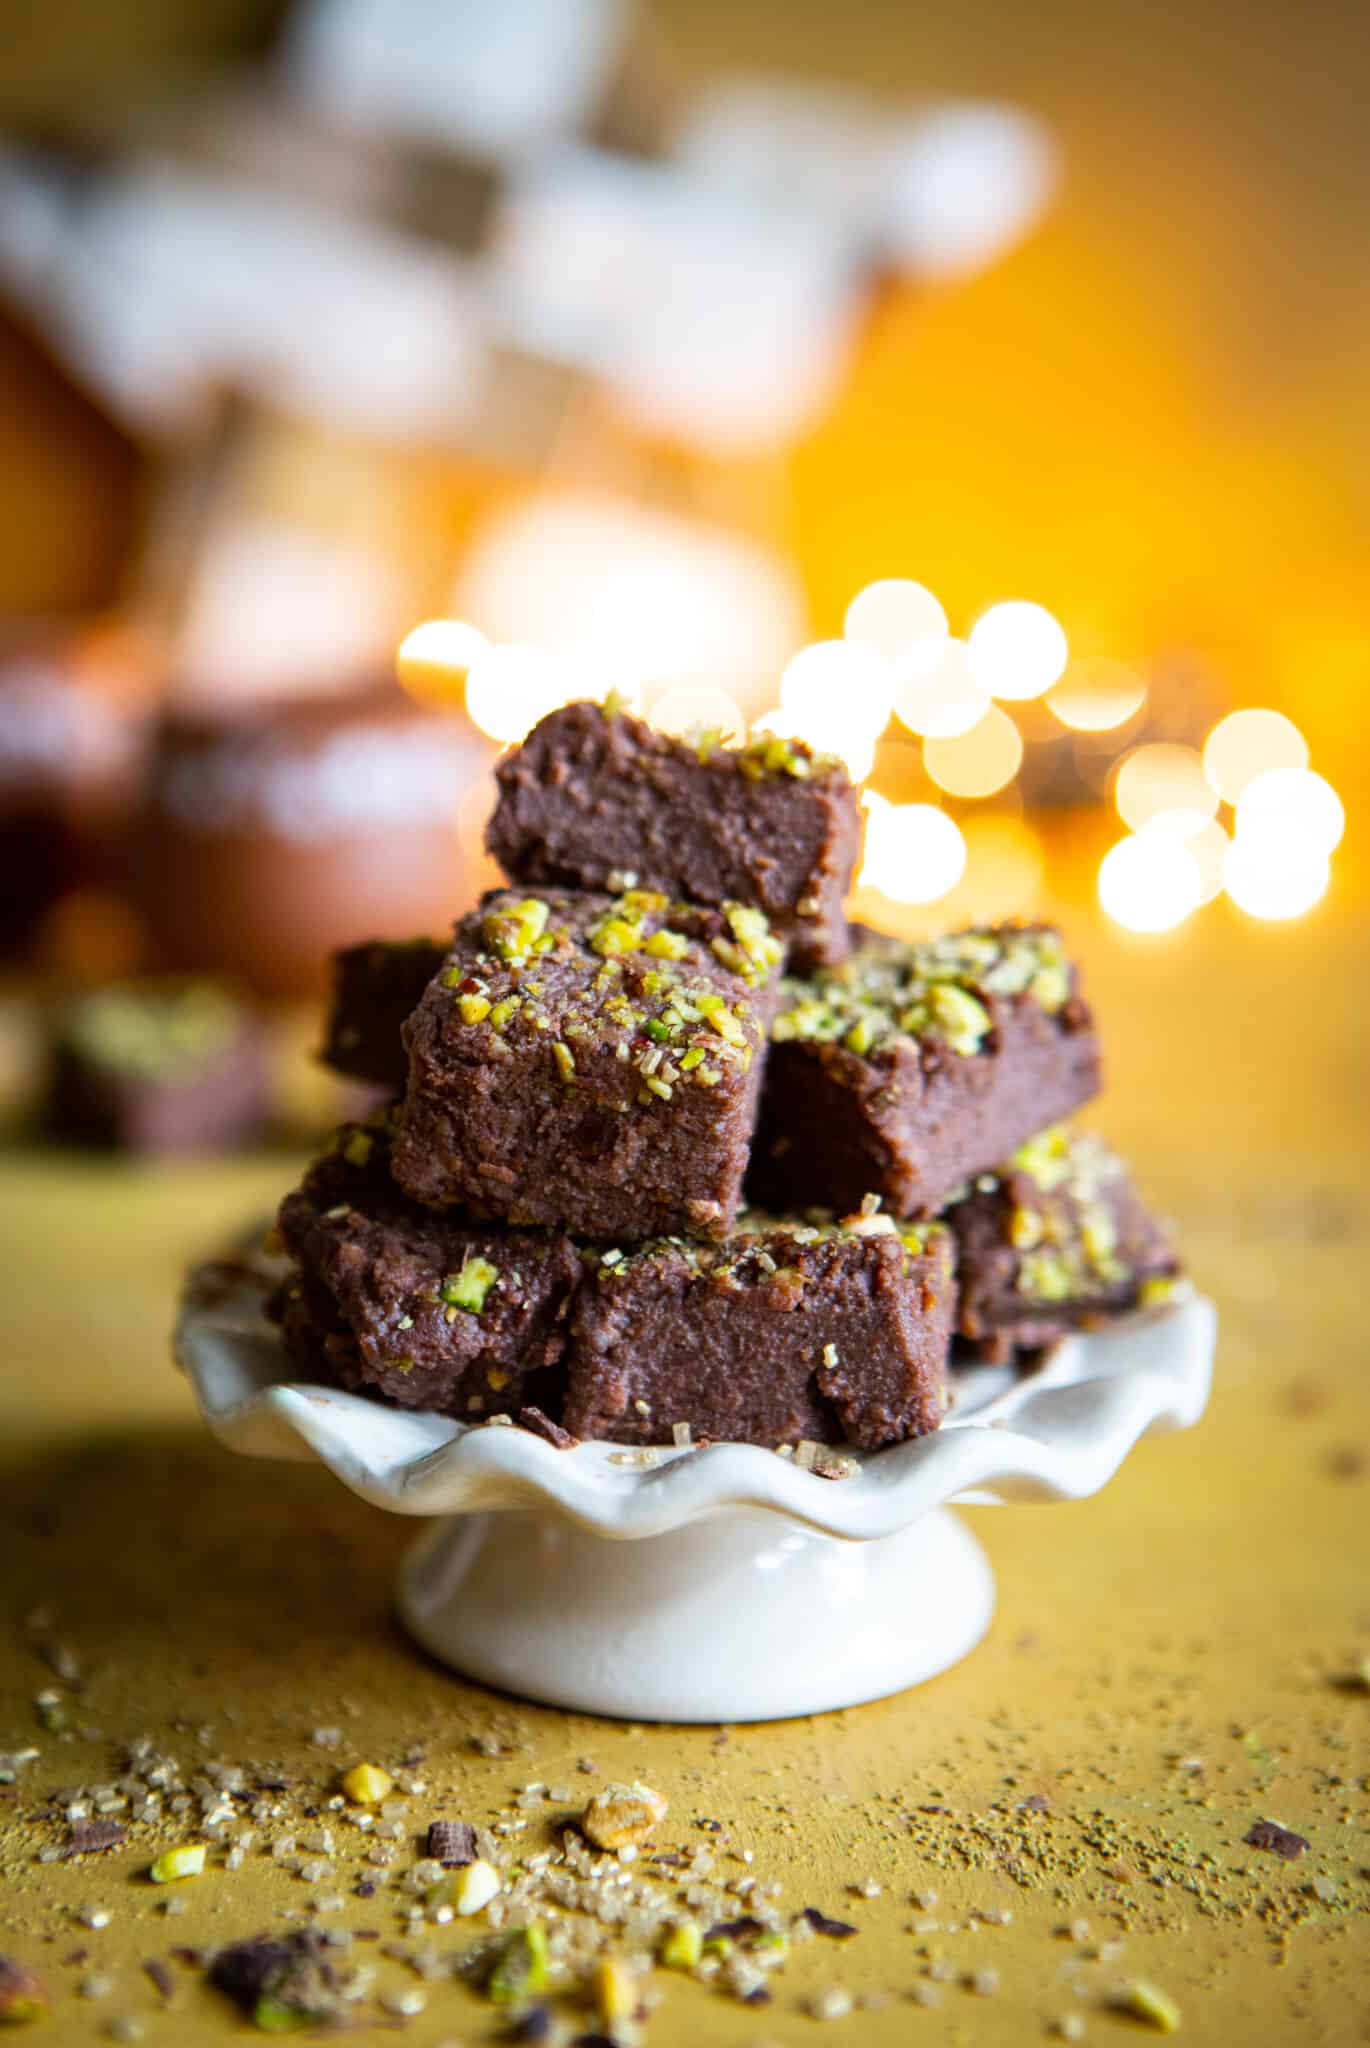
375	987
787	1331
428	1310
594	799
591	1062
1056	1240
159	1068
913	1067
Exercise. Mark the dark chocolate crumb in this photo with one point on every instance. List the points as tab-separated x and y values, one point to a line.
156	1971
1037	1802
452	1842
89	1836
534	2025
366	1889
732	1930
538	1424
1268	1834
760	1996
821	1924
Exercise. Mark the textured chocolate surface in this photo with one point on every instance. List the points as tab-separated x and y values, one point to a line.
784	1333
591	1062
1057	1239
427	1310
592	795
911	1068
158	1067
375	988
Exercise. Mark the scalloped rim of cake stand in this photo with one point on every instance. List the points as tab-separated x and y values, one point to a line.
572	1577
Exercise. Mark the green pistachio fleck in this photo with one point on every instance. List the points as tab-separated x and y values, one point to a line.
470	1288
691	1059
520	1968
683	1946
474	1009
565	1059
614	702
720	1018
667	945
514	931
959	1017
861	1036
1045	1159
1157	1291
614	936
1044	1276
358	1147
1025	1229
507	1007
273	2016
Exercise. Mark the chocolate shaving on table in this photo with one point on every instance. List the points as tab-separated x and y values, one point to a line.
534	2025
157	1972
538	1424
89	1836
293	1971
1268	1834
838	1930
731	1930
452	1843
760	1996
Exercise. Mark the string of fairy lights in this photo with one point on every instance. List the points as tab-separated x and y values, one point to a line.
1244	814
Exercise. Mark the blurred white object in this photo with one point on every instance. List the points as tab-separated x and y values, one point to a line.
161	286
632	598
936	191
589	1580
723	323
496	79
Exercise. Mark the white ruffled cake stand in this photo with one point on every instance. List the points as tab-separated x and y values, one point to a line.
716	1584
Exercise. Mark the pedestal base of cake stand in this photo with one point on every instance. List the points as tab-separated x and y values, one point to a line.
739	1616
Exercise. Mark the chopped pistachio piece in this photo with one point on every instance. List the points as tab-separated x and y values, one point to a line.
474	1009
1152	2006
174	1864
667	945
366	1784
520	1969
616	1991
470	1288
474	1887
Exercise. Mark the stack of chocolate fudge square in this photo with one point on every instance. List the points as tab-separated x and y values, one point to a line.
673	1154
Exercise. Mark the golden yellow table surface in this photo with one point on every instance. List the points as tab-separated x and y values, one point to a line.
1169	1664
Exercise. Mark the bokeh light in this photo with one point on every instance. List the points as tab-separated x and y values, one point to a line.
1017	650
1274	882
894	615
978	762
914	852
830	734
687	708
433	661
1163	784
1207	847
1150	882
1096	695
838	682
509	688
1294	807
935	694
1246	744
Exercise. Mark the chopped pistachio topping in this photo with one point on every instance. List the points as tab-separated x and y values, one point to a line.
683	1946
357	1147
667	945
513	932
520	1968
474	1009
470	1288
932	989
366	1784
174	1864
154	1027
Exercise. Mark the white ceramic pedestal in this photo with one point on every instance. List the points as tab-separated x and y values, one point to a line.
714	1584
741	1617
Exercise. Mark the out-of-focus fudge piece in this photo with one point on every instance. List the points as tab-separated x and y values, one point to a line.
594	799
1053	1241
591	1062
912	1067
427	1310
375	988
273	833
785	1332
161	1066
